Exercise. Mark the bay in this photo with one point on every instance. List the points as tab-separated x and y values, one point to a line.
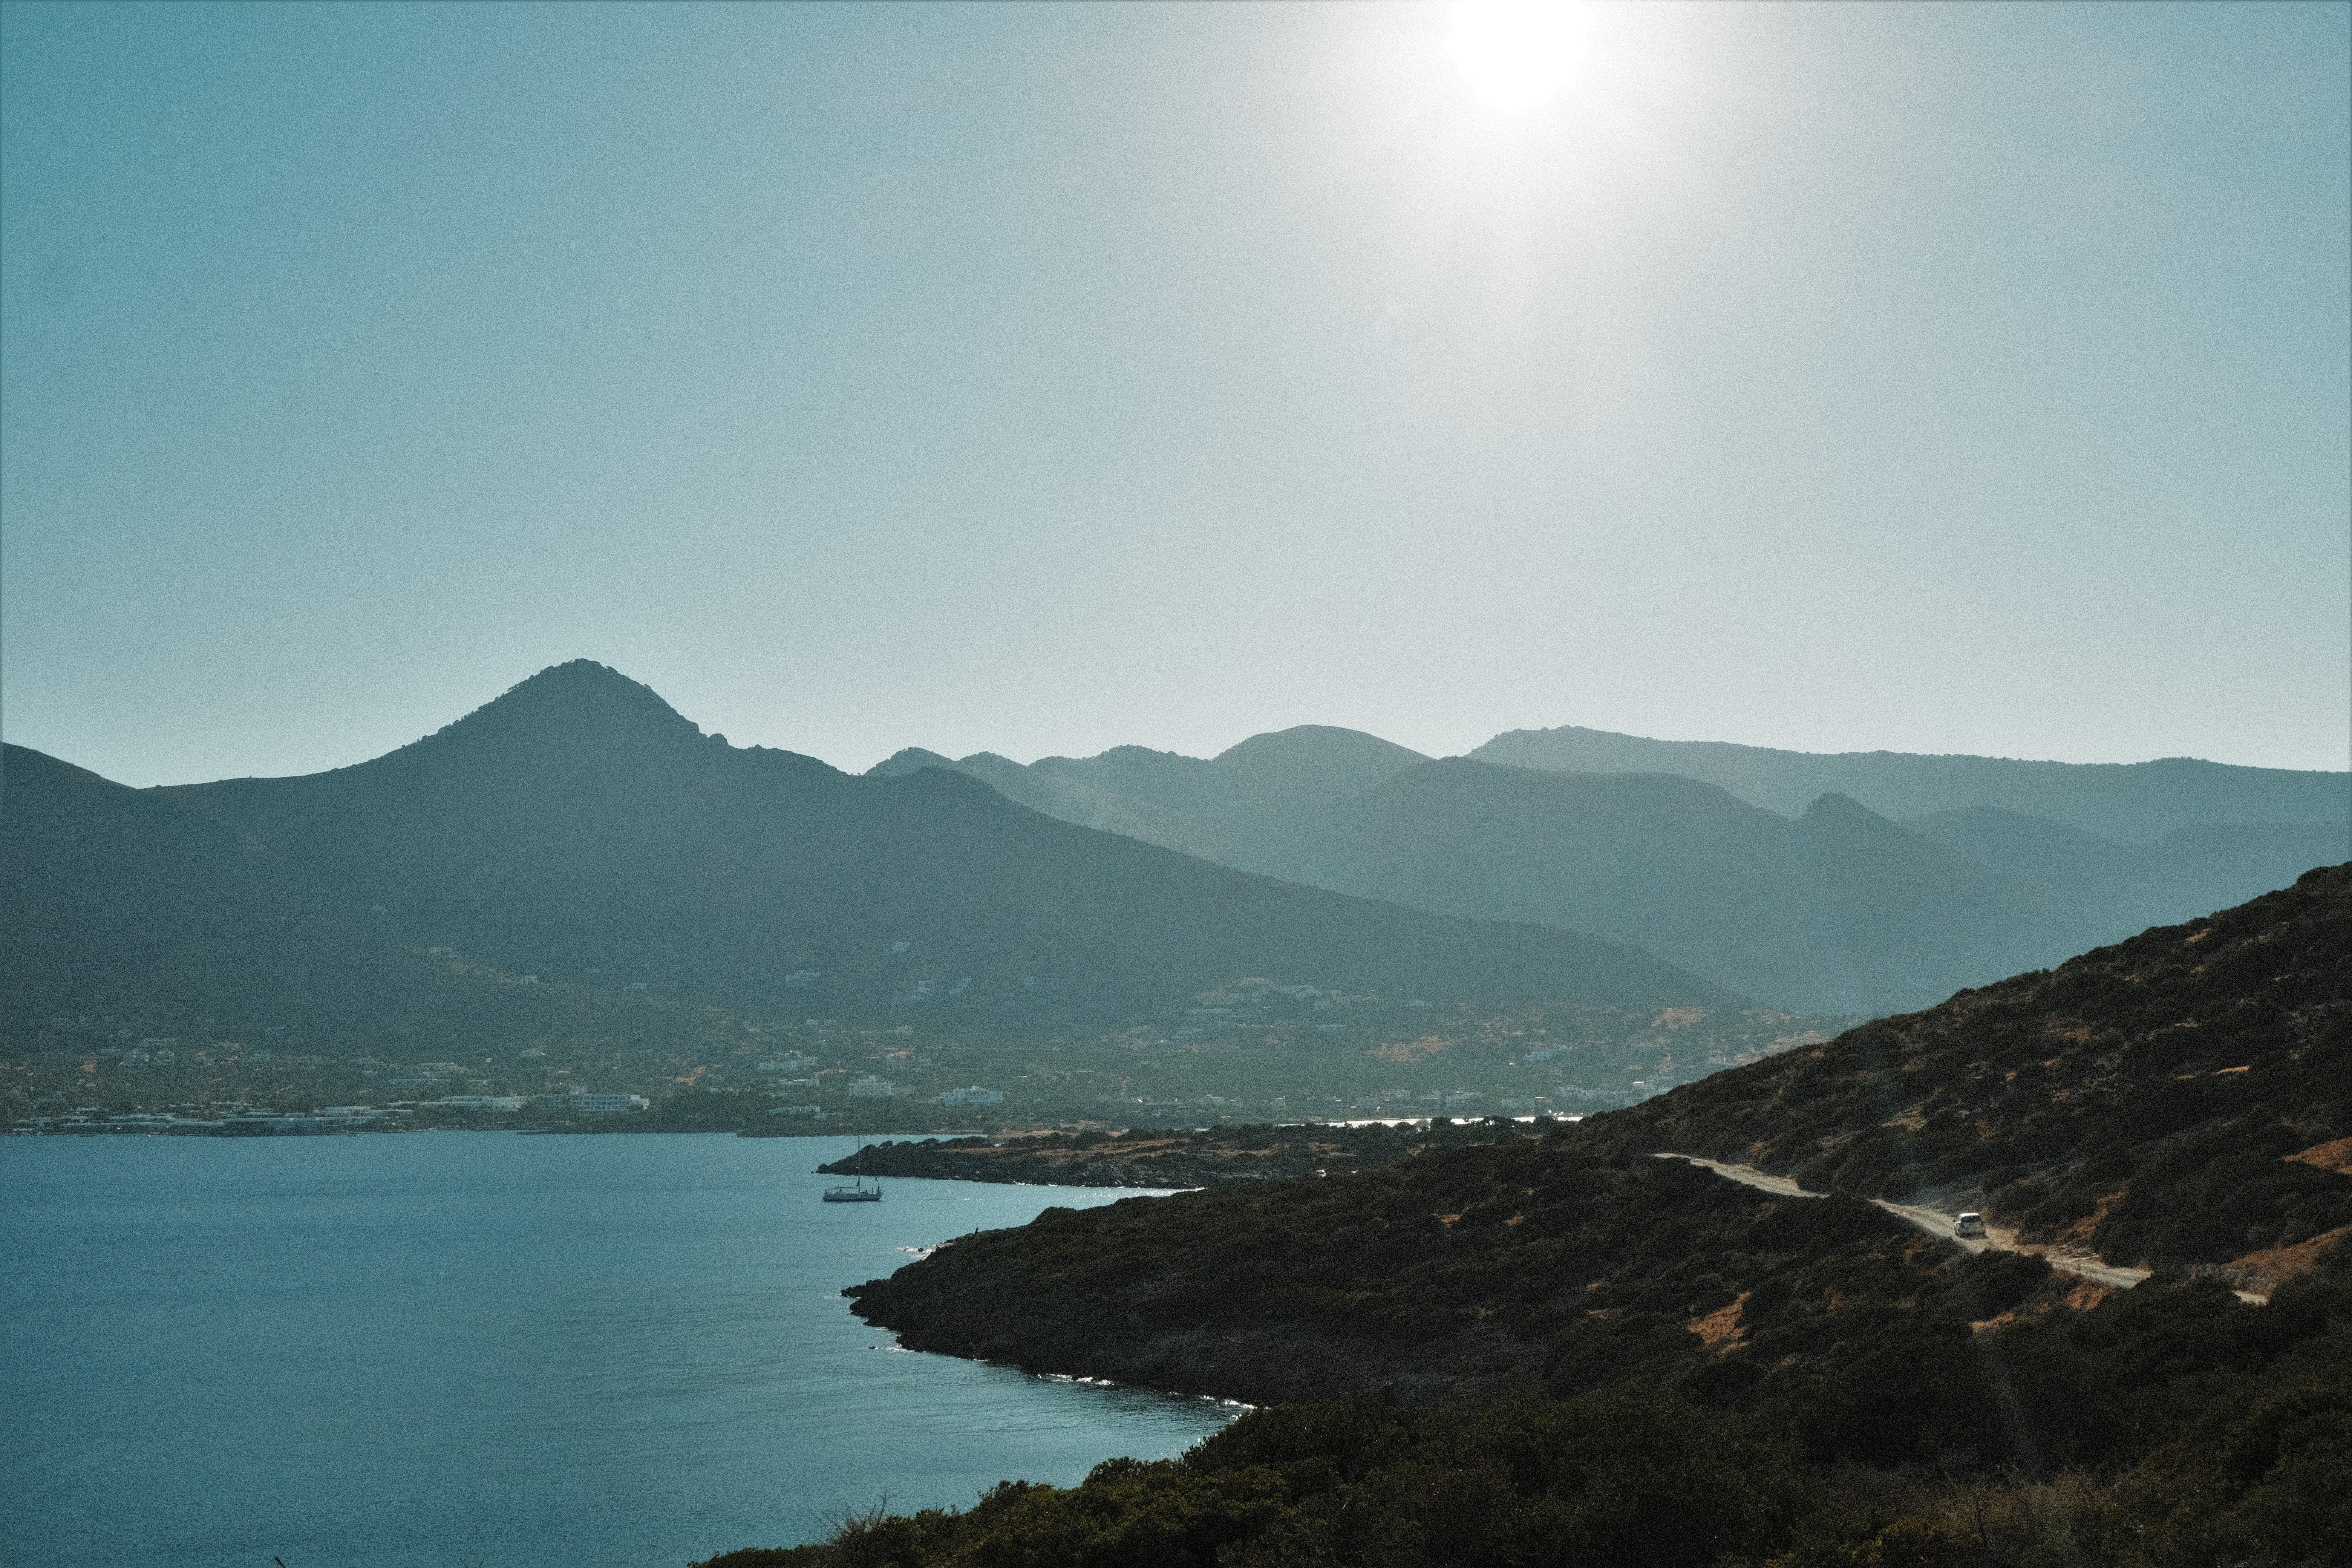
435	1349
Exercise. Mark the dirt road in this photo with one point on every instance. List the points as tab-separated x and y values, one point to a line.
2071	1260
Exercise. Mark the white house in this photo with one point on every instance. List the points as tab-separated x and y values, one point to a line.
596	1104
975	1095
871	1087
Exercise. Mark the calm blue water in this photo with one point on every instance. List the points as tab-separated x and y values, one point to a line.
480	1348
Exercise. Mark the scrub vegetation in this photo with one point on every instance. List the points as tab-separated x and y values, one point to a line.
2179	1097
2169	1427
1555	1348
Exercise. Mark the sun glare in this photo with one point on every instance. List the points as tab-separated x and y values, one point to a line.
1517	54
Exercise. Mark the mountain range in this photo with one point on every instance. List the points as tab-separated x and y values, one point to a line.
579	831
2129	801
1832	907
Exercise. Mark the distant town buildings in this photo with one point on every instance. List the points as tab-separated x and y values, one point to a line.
790	1064
588	1104
871	1087
975	1095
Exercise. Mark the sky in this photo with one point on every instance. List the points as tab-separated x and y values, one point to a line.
1037	379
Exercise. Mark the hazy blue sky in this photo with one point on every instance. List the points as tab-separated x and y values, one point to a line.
1042	378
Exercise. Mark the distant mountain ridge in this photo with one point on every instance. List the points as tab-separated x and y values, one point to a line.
1841	911
2128	801
581	830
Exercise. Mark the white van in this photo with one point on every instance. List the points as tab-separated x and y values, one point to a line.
1970	1224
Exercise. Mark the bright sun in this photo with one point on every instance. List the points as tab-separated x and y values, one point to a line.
1518	53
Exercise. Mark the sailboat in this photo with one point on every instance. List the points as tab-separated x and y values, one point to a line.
858	1191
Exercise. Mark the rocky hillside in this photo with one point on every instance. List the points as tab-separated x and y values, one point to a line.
2179	1099
2182	1097
1912	1403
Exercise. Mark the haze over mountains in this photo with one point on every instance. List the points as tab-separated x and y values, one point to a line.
580	830
1694	855
2130	800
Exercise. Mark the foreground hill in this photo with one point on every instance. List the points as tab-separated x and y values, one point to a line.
2184	1097
1840	911
1557	1348
1667	1368
580	830
2125	800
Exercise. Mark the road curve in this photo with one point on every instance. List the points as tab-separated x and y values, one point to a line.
2068	1259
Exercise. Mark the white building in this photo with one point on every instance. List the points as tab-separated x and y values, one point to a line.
975	1095
871	1087
789	1065
595	1104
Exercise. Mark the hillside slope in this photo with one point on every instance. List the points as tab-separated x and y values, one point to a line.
2184	1097
114	891
1623	1325
581	830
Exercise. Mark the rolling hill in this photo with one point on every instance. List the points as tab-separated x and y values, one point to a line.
1576	1352
2183	1098
580	831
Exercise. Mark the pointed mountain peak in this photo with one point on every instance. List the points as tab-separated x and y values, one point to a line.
567	705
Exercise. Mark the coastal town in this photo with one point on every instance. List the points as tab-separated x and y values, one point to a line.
1249	1051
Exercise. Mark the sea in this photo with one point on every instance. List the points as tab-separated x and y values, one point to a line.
431	1350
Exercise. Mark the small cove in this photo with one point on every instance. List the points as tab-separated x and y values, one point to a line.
437	1348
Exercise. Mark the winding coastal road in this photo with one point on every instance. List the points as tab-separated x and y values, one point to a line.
2070	1260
